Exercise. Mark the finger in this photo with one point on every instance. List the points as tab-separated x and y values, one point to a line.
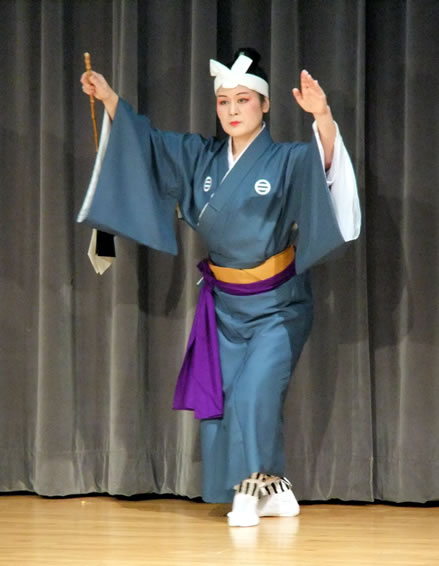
86	79
307	81
304	76
298	96
88	89
312	85
90	76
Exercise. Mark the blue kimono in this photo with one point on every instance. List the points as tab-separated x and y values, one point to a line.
244	216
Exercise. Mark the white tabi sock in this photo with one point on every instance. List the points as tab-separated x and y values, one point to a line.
277	498
244	511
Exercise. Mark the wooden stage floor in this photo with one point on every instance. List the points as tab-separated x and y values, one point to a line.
105	531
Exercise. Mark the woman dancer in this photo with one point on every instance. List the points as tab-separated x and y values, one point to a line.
267	212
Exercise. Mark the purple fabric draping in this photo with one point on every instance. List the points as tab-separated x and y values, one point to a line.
199	384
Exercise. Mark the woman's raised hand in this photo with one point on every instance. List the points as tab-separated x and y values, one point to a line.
95	85
311	97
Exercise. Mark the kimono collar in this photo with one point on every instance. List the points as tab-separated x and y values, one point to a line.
237	75
232	160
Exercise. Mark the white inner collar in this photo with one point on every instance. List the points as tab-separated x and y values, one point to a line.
233	160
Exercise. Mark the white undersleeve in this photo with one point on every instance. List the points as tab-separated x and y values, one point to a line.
344	193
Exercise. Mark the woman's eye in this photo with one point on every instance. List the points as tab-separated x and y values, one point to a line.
222	102
243	100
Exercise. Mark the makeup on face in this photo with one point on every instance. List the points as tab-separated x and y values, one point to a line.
240	111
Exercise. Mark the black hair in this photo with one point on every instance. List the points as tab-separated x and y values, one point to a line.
254	68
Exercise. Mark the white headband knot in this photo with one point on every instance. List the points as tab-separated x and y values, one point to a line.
237	75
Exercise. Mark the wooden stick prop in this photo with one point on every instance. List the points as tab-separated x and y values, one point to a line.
104	243
92	100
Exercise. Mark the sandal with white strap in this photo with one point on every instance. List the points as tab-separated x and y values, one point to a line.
277	498
244	511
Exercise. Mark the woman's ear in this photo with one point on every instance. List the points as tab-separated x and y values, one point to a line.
266	105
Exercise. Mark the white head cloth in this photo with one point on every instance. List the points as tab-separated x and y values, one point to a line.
237	75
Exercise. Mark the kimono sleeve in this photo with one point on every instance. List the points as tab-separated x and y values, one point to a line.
343	187
311	209
139	175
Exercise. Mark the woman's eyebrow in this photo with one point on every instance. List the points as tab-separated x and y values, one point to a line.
237	94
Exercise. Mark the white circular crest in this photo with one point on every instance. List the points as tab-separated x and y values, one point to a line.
262	187
207	184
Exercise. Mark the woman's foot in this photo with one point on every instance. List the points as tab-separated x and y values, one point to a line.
277	498
244	511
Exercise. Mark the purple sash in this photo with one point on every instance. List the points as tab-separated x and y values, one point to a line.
199	384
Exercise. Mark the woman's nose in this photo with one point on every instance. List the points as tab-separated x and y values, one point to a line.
233	108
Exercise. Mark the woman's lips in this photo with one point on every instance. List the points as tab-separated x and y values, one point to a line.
235	123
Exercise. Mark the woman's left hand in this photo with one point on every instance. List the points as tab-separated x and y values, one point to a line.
311	97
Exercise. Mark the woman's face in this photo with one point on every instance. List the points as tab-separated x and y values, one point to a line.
240	111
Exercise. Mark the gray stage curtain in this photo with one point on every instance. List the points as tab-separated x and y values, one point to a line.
88	363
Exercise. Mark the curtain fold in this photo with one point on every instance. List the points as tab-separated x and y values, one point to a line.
88	363
402	206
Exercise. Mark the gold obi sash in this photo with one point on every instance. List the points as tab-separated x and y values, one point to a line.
272	266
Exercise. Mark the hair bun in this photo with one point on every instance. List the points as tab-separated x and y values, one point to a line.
250	52
254	68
